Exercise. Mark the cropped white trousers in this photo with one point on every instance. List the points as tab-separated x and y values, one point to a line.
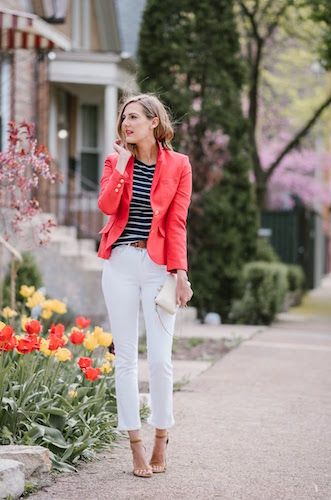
129	276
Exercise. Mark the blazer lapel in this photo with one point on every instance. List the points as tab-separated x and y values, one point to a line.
129	172
158	168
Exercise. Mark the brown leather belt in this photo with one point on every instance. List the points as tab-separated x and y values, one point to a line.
139	244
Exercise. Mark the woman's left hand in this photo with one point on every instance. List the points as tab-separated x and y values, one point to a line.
183	290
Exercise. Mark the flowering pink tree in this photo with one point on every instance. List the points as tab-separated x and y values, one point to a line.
302	174
22	167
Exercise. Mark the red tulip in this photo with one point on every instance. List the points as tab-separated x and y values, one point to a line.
92	373
28	344
33	327
57	330
55	342
85	363
82	322
8	346
6	333
77	337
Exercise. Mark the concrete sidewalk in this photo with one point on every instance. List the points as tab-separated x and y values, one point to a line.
255	425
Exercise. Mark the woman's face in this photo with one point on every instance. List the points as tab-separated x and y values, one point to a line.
136	127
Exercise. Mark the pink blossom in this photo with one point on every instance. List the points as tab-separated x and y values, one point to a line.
304	173
21	168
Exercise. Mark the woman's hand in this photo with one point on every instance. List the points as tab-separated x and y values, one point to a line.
123	156
183	289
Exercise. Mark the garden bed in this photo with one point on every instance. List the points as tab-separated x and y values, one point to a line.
192	348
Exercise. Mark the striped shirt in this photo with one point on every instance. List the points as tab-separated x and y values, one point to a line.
141	213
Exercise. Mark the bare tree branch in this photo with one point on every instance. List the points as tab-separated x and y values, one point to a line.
256	7
299	135
250	15
265	9
272	26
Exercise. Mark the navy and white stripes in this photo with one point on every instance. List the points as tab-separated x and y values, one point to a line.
140	215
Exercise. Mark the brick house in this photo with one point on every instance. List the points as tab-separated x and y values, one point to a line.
64	65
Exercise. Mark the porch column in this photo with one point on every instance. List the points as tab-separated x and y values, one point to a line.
110	117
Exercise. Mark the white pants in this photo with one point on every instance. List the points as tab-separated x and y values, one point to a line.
128	276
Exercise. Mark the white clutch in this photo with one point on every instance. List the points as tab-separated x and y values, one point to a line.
166	298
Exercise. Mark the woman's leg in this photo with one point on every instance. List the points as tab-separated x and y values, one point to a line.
121	291
159	332
121	288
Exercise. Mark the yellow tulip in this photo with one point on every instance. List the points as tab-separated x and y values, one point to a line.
104	339
90	342
97	331
106	367
44	347
46	313
8	313
55	305
27	291
2	325
63	354
109	356
35	300
72	394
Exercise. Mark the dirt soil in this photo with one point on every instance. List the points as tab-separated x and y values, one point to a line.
192	349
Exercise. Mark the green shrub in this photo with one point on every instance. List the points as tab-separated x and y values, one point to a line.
295	278
27	274
264	289
265	251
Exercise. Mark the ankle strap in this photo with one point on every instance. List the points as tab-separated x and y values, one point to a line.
161	436
138	440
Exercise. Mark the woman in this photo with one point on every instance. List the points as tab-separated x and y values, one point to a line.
145	190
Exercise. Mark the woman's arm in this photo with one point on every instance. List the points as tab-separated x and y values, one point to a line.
176	222
113	180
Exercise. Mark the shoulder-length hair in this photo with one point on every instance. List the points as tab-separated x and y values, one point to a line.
152	107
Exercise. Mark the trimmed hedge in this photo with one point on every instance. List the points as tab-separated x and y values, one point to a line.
265	286
265	251
295	278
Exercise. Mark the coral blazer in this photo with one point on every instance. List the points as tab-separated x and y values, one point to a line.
170	198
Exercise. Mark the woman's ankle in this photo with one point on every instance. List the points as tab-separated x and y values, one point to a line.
134	436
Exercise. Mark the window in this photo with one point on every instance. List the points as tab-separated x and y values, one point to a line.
4	99
89	151
53	11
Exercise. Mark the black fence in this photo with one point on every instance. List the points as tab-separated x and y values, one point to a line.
293	236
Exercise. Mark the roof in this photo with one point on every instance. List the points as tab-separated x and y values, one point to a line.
129	16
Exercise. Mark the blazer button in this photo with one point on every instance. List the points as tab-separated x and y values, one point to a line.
119	185
116	190
121	181
156	212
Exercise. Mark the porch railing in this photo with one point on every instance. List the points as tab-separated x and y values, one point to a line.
75	209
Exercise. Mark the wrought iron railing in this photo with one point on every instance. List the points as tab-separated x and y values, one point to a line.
75	209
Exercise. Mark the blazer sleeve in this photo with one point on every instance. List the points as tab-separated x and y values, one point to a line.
111	187
176	221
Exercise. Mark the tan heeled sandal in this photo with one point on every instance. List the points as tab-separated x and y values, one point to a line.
158	467
141	472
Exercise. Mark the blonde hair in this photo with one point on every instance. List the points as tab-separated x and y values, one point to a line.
152	107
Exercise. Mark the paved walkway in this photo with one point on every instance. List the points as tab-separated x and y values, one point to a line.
256	425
